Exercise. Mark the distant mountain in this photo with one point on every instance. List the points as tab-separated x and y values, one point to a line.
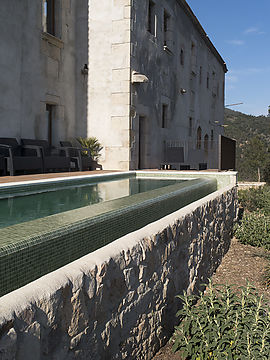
252	134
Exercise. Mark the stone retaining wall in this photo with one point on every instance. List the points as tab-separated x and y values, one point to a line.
119	301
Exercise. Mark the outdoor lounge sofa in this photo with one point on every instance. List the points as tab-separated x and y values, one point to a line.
53	158
82	161
20	158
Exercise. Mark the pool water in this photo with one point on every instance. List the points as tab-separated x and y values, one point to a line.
25	207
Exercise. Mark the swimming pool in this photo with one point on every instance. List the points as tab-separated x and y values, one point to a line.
33	204
30	249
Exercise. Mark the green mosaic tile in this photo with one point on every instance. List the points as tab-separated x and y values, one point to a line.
35	248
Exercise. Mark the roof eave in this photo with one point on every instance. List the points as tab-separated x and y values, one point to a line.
205	37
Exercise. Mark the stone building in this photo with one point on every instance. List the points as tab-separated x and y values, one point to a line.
43	91
156	84
140	75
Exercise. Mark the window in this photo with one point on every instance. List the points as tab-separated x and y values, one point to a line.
206	143
49	118
193	58
164	123
49	16
200	74
182	59
199	138
190	127
207	81
212	139
151	27
166	28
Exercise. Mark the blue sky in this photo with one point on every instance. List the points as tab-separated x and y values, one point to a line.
240	31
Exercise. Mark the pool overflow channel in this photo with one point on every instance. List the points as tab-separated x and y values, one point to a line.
119	204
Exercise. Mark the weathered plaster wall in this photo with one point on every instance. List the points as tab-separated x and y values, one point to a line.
37	68
119	302
109	80
167	76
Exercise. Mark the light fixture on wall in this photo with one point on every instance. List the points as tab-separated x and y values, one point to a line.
85	70
137	77
183	91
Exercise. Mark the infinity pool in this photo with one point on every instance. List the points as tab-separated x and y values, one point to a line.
47	224
26	206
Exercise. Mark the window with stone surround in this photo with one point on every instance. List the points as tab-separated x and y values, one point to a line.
49	12
151	24
166	28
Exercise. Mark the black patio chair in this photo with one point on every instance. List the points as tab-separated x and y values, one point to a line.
53	158
80	156
20	158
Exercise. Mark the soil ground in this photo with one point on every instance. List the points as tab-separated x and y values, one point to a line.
241	263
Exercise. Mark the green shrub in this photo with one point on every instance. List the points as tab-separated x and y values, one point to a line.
226	323
255	199
254	230
266	173
93	145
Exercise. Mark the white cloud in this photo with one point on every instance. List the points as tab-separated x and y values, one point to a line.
236	42
253	30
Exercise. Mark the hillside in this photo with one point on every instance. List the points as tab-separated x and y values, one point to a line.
253	140
243	127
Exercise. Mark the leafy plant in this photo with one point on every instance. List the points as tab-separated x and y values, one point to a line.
226	323
266	173
255	199
93	145
254	230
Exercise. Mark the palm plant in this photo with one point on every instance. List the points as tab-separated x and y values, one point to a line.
92	144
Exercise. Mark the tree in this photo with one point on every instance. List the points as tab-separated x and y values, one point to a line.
253	159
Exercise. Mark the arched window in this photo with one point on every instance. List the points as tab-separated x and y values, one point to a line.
206	143
199	138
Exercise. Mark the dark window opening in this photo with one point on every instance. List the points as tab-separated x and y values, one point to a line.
49	16
200	74
182	60
207	81
190	126
193	57
151	27
166	27
212	139
206	143
49	117
199	138
164	116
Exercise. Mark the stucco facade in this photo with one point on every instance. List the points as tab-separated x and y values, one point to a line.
40	75
178	100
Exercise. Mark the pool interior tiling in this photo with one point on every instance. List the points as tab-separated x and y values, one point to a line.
34	248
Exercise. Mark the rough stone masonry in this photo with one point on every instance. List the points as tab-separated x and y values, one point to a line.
119	302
